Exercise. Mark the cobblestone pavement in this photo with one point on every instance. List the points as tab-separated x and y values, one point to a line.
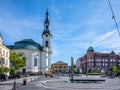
60	83
35	85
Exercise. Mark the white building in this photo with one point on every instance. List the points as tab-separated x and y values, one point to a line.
38	57
78	66
4	55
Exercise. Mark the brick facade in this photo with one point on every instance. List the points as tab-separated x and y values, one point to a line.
98	62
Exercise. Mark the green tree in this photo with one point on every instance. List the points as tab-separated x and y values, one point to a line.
74	70
12	71
114	69
18	60
1	70
6	70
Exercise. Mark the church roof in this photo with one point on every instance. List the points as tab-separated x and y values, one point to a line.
26	44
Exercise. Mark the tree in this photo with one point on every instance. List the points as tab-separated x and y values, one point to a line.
74	70
114	69
1	70
12	71
6	70
18	60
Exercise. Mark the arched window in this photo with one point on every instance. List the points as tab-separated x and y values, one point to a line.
46	43
35	61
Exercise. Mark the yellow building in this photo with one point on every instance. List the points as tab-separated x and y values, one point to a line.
4	55
59	67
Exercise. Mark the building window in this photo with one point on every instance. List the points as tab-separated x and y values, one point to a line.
92	60
59	70
106	60
99	60
6	61
96	59
89	60
55	66
35	61
106	64
46	43
3	52
97	64
60	66
113	60
103	60
110	60
6	54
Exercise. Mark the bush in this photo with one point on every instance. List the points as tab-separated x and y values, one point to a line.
95	73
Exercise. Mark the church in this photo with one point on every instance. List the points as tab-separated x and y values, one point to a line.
38	57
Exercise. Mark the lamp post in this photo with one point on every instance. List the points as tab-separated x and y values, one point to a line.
71	68
14	84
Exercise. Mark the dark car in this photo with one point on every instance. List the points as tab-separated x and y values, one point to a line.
3	77
11	76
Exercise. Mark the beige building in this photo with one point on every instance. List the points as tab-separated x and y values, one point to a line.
4	55
59	67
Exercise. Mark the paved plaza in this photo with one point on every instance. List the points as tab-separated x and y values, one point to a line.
61	83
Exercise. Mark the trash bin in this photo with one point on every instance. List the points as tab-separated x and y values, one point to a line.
24	81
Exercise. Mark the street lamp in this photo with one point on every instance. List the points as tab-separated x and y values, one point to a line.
14	84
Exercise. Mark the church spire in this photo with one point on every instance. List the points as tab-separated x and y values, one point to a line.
46	24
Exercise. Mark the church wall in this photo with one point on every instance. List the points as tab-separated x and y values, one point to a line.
30	55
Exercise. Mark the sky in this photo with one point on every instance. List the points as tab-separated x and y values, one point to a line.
75	25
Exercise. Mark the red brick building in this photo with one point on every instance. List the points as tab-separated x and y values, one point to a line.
98	62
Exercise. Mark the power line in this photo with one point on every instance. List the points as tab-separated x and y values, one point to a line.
113	17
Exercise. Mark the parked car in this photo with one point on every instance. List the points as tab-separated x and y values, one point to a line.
3	77
11	76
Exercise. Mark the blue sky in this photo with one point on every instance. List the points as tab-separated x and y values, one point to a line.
75	25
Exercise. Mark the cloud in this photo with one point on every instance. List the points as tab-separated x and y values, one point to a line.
109	40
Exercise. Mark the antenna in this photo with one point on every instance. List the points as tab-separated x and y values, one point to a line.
113	17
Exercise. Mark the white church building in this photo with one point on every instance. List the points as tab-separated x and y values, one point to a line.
38	57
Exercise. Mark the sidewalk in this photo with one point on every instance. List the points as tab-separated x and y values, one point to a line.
8	85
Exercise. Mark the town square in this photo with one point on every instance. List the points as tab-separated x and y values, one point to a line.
59	45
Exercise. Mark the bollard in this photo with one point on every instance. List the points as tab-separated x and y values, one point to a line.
24	81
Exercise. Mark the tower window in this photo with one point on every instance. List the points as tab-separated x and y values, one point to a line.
46	43
35	61
46	26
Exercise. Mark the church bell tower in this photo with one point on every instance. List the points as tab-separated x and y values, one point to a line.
46	44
